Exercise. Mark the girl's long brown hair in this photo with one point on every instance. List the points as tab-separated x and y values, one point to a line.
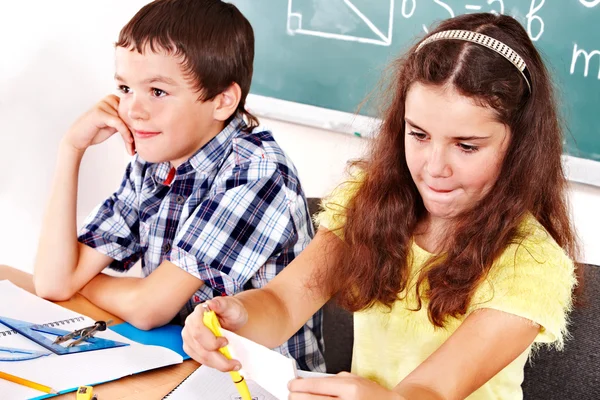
382	217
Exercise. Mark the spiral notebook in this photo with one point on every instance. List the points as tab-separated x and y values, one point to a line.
266	372
65	373
210	384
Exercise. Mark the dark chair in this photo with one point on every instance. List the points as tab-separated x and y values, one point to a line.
338	326
550	375
575	372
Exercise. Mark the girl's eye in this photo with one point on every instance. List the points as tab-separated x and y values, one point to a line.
420	136
158	93
124	89
468	148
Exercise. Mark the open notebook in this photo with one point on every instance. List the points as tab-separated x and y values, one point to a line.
266	372
65	373
210	384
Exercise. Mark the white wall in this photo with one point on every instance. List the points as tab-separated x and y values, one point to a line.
58	61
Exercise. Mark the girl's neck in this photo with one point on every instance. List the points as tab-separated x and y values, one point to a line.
431	232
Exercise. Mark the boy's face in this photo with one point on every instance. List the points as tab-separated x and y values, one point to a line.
159	105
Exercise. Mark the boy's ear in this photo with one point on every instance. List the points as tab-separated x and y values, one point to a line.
227	102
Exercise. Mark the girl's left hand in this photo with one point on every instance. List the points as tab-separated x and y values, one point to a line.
344	386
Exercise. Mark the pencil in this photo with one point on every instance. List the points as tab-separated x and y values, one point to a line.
25	382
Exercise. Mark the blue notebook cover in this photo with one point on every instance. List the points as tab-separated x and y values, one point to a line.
168	336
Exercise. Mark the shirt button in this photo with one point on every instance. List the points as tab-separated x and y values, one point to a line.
180	199
166	247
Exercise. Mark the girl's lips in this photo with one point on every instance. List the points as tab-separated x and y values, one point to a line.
438	190
144	134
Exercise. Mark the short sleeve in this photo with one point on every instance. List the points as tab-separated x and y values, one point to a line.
533	279
234	231
113	227
333	208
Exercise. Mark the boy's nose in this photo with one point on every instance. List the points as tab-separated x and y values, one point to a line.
137	110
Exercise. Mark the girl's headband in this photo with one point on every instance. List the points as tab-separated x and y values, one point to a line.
483	40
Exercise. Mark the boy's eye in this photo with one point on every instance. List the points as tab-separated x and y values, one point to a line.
123	89
158	92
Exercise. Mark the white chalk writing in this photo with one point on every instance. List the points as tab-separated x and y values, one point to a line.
587	57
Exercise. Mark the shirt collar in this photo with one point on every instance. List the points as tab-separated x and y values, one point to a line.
208	156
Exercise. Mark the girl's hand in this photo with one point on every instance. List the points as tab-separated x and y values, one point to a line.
201	344
98	124
344	385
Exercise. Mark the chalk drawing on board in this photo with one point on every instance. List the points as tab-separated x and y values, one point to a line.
590	3
349	20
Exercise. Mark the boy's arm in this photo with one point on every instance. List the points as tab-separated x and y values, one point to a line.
57	271
145	303
224	242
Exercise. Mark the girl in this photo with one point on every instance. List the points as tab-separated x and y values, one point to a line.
451	243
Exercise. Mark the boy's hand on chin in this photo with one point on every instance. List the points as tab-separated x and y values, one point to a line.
98	124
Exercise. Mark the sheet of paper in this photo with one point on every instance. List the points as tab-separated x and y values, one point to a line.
73	370
269	369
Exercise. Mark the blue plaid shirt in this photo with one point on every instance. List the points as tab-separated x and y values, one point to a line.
234	215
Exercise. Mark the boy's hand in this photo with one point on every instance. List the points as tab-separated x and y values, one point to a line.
201	344
98	124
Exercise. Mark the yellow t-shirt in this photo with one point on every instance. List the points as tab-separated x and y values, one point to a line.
533	280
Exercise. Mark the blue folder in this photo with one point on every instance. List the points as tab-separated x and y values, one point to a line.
168	336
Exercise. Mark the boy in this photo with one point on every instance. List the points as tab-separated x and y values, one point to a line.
211	205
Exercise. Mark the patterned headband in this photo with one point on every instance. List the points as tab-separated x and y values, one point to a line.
483	40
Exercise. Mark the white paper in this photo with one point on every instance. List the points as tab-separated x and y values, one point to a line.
72	370
269	369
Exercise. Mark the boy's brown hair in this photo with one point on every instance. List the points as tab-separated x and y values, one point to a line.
214	39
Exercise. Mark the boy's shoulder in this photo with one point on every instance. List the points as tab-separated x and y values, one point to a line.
259	147
257	144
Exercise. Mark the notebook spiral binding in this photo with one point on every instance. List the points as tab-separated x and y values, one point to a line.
179	384
52	324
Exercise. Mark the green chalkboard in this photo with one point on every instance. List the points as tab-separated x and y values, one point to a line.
331	53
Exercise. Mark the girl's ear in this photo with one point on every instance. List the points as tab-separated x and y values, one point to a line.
226	102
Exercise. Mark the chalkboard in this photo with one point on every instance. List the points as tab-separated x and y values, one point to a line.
331	53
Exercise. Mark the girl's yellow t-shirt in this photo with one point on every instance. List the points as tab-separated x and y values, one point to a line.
533	279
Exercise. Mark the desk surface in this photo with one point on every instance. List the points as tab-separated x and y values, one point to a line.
147	385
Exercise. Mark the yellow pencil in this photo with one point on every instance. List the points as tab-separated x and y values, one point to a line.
27	383
212	323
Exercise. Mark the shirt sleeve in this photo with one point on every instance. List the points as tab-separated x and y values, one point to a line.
333	208
533	279
235	230
113	227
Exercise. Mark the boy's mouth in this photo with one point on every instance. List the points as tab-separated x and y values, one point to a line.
144	134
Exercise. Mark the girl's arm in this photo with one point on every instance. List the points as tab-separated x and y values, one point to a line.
486	342
270	315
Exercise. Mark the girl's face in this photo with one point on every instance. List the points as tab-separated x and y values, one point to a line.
454	148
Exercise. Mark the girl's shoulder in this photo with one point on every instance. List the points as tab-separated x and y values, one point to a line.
332	213
534	279
534	246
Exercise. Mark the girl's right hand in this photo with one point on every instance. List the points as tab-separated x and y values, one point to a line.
98	124
201	344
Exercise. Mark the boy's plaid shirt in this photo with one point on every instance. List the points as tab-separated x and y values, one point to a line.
234	216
